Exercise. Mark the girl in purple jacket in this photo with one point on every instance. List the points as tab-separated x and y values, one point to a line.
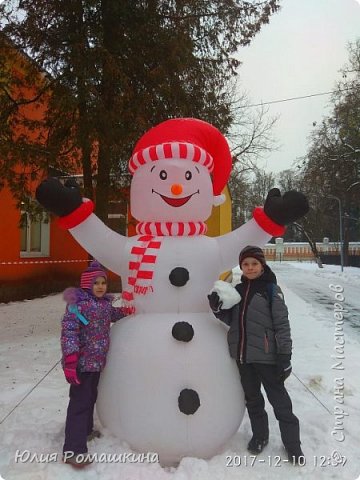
85	342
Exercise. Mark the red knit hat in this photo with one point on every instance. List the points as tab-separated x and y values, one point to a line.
89	275
186	139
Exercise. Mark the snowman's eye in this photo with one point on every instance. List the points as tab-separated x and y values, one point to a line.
163	175
188	175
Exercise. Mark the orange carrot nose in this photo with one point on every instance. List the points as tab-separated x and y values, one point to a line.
176	189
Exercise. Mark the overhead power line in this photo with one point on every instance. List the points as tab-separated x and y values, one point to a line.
271	102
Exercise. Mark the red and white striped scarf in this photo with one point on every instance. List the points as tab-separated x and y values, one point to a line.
144	254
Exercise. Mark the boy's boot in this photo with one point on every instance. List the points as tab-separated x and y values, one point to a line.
295	454
257	445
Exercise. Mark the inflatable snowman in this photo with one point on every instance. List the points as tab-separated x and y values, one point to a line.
170	385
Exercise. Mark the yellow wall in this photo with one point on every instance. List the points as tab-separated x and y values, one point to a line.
219	222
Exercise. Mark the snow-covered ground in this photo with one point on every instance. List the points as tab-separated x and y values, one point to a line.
324	389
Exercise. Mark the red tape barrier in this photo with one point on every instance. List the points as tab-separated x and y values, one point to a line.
40	262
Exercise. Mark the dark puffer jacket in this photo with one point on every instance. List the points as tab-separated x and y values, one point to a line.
258	331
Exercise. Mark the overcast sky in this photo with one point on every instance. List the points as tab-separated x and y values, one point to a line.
299	53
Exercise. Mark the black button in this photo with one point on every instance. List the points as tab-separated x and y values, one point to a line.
182	331
179	276
189	401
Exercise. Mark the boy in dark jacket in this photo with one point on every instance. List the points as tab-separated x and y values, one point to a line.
85	339
260	341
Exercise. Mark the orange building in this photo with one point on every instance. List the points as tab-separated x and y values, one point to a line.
30	249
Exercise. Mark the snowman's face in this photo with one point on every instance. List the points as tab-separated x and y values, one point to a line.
171	191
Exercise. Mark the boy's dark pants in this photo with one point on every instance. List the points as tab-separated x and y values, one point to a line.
252	376
80	412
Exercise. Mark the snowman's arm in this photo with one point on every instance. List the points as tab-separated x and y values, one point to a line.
95	237
101	242
257	231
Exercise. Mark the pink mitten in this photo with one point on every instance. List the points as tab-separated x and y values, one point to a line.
70	364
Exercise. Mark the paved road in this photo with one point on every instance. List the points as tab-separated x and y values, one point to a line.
314	288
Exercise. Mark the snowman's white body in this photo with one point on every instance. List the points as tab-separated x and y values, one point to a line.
146	371
147	367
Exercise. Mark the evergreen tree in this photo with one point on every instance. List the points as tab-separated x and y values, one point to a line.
113	69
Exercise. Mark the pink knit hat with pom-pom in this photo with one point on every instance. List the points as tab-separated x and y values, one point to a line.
88	277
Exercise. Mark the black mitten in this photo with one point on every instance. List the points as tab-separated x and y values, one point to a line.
57	198
287	208
215	302
284	368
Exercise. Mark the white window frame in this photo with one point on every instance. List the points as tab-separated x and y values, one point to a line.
44	238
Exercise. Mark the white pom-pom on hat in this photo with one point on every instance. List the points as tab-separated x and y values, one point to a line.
219	200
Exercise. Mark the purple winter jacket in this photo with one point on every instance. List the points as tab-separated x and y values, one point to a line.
91	341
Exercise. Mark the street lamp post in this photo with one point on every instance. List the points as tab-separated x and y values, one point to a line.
340	231
355	184
346	215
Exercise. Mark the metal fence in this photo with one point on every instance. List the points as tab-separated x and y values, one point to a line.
300	251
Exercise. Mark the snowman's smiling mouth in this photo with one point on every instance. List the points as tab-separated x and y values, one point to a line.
175	202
